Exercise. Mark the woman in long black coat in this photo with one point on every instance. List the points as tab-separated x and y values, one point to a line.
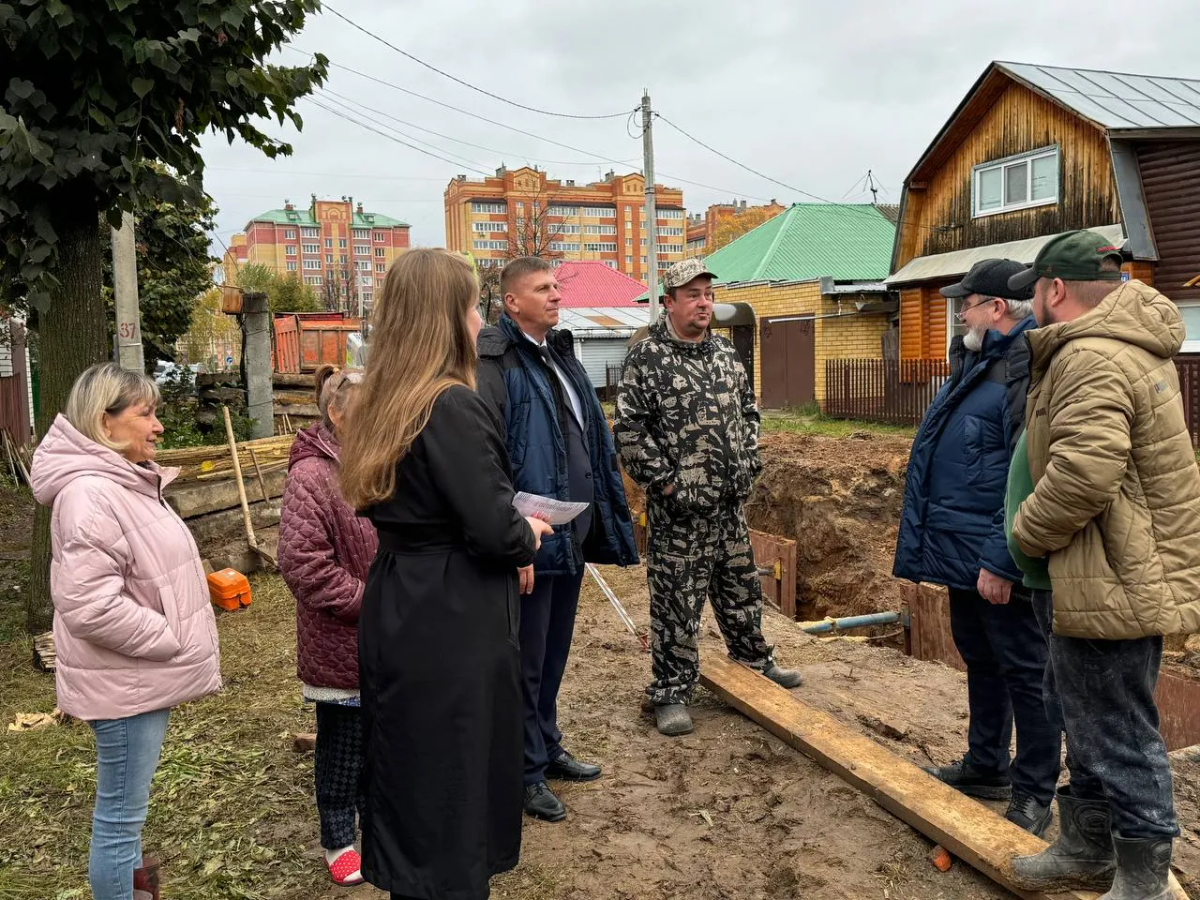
438	657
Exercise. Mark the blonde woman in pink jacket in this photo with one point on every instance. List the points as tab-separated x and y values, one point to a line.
133	626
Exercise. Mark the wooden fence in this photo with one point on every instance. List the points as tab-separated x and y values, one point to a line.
14	383
897	392
894	392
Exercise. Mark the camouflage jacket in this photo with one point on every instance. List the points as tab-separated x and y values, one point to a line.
686	416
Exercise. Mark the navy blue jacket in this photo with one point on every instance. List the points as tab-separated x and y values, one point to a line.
953	520
515	380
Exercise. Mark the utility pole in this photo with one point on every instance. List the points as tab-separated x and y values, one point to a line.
125	297
651	207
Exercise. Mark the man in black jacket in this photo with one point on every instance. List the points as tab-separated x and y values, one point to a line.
560	447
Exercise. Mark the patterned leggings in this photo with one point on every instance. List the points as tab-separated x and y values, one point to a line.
338	769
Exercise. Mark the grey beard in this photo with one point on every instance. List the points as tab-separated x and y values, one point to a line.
973	340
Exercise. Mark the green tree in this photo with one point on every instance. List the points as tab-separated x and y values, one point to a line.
285	293
91	92
174	270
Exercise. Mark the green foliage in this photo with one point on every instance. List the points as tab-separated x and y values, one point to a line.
93	90
183	419
174	270
285	293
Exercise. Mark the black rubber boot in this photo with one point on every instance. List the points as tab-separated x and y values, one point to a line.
964	777
672	719
1142	869
1082	856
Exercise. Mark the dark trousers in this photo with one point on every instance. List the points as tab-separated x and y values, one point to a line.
1006	656
338	772
1102	693
547	626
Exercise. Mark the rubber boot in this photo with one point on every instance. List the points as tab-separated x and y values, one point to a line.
1142	869
1082	857
672	719
146	878
785	678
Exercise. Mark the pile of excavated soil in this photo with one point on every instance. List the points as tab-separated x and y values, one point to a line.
840	500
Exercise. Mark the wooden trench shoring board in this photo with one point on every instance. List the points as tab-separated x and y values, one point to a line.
966	828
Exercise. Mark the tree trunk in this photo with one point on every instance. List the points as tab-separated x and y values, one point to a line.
74	335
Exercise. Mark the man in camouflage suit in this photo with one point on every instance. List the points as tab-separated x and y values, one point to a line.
687	430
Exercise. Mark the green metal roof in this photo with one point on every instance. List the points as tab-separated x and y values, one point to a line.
305	217
842	241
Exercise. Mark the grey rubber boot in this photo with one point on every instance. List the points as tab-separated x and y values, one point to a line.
785	678
1081	858
1142	869
672	719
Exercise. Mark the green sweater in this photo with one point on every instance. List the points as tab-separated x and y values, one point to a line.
1020	486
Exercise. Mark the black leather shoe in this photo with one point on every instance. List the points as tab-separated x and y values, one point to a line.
541	803
964	777
565	767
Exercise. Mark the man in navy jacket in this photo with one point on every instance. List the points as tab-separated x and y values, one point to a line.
559	446
952	533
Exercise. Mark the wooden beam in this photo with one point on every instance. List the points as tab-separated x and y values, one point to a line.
966	828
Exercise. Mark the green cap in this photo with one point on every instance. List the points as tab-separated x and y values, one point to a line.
1074	256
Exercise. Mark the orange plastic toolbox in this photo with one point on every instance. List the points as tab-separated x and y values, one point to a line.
229	589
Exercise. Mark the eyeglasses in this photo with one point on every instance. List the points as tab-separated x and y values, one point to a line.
961	315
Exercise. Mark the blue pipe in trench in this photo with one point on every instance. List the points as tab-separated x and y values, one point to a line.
844	624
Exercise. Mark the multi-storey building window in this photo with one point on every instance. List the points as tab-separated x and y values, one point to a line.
670	213
490	208
488	227
491	245
562	247
600	248
643	260
668	231
671	248
366	280
312	264
567	212
379	237
291	250
328	243
565	229
600	212
341	243
363	265
362	234
611	263
367	298
362	249
312	248
342	258
312	279
308	231
629	260
329	259
381	268
381	251
289	234
599	229
291	266
628	242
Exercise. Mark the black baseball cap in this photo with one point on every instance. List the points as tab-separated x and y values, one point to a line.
989	277
1074	256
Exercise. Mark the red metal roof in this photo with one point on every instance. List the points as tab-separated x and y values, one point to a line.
595	285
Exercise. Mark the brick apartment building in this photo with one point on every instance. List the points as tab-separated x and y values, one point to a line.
523	212
332	244
703	228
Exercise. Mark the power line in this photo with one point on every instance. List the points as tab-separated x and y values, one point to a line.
502	153
467	84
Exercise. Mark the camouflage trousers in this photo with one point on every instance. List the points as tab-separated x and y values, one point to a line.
690	559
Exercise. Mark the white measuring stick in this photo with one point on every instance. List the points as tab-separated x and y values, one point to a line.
612	598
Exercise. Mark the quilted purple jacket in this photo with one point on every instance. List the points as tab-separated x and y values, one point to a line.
325	551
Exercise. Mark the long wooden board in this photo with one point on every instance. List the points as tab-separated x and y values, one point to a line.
969	830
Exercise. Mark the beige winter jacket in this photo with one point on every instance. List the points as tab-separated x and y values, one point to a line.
1116	500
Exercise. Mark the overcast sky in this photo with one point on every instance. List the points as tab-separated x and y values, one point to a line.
812	94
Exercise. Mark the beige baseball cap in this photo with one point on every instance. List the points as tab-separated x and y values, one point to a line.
684	271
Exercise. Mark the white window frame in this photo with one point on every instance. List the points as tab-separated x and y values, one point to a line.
362	249
489	227
380	252
290	250
314	249
379	237
1008	162
291	265
289	234
360	234
1192	345
309	231
669	213
380	268
492	209
312	265
362	265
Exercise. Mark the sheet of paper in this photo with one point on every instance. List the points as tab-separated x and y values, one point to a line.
556	512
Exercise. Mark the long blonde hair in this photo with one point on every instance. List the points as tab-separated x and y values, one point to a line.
420	345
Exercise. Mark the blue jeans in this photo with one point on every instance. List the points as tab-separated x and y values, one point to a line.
127	753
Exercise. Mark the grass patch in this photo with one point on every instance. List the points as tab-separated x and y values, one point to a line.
810	420
231	809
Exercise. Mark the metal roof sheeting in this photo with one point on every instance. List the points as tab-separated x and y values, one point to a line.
603	321
958	262
1115	100
593	284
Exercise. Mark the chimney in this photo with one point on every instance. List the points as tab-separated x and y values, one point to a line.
358	209
570	182
287	204
743	204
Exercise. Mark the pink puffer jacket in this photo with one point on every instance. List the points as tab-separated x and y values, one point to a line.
134	629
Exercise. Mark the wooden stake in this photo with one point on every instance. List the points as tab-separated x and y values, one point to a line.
12	466
262	485
241	487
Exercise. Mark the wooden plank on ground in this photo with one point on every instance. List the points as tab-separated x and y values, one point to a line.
967	829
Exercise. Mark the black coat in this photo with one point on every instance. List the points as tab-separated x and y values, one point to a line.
439	664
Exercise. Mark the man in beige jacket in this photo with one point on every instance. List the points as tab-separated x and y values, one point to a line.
1115	509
